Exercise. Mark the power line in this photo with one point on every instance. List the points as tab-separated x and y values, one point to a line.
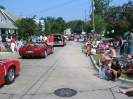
42	11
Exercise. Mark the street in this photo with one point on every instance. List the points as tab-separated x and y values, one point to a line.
68	67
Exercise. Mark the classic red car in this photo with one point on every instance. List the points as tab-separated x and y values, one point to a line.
36	50
8	70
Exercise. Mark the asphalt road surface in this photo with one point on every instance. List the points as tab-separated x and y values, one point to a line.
68	67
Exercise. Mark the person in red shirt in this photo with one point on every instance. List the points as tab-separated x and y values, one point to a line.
13	41
51	40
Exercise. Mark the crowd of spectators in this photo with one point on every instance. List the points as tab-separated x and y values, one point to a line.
11	44
111	51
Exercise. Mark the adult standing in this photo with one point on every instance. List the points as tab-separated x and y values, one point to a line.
7	39
13	41
51	40
78	38
117	46
121	45
130	44
0	38
41	38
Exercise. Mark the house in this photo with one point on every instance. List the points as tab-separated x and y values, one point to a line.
6	22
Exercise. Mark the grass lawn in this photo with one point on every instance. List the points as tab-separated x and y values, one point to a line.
7	50
124	74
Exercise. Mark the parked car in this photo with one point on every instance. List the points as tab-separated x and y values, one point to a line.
38	49
8	70
59	40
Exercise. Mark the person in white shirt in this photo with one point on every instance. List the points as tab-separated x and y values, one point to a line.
41	37
97	42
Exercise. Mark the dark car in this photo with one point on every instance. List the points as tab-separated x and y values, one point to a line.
59	39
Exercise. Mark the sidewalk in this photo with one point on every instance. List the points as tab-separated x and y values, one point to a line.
126	81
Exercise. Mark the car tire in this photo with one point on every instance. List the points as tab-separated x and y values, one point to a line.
23	57
10	76
45	54
52	51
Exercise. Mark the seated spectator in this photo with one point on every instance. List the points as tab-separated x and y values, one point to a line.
97	42
101	48
101	41
2	47
126	91
115	70
87	49
93	51
105	68
109	54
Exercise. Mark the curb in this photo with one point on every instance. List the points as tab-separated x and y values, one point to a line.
5	52
123	80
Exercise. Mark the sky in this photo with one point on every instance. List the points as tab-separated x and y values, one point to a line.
67	9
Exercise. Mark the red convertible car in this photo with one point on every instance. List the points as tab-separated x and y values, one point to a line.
36	50
8	70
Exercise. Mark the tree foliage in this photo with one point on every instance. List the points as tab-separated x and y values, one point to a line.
54	25
101	6
119	18
26	27
2	7
76	26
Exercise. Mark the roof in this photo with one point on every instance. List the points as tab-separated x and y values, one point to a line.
7	25
12	15
8	18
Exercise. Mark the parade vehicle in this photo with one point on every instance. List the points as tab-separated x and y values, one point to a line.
9	69
59	40
38	49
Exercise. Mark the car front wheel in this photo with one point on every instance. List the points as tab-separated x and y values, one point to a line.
10	77
52	51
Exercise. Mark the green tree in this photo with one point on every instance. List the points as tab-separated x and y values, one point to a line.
101	6
99	23
76	26
26	27
88	26
119	18
59	25
40	27
47	28
2	7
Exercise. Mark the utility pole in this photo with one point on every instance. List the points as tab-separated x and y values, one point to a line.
85	15
93	21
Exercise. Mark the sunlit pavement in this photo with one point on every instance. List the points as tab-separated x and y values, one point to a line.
68	67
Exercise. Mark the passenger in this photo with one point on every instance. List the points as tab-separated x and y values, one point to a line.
32	44
115	70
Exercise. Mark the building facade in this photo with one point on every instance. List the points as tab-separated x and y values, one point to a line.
6	22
